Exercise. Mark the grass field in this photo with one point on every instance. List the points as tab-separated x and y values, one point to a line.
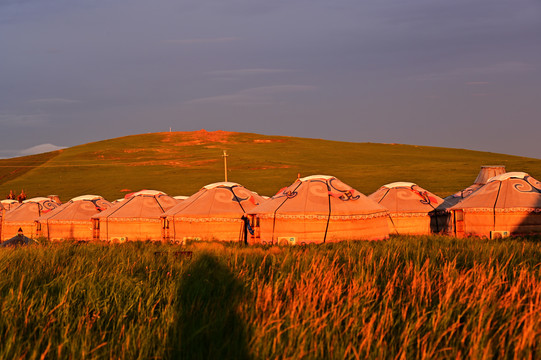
408	297
180	163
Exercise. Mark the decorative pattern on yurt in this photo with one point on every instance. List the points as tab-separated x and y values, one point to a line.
318	209
216	212
72	220
135	218
412	209
24	216
509	204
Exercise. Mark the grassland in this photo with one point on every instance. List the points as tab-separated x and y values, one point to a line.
408	297
11	169
181	163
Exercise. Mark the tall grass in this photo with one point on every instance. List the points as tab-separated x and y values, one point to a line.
409	297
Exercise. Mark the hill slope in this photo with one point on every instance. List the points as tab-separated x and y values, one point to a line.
180	163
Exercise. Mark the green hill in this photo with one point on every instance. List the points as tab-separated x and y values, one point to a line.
180	163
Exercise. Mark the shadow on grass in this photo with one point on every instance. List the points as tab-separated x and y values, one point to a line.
208	325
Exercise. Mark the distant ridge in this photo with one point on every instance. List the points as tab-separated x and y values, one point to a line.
180	163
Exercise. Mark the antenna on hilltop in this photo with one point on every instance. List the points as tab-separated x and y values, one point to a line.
225	164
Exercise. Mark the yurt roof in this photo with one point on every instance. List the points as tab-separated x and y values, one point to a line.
406	197
316	177
81	209
143	204
510	191
86	197
36	199
218	184
399	184
31	209
508	175
487	172
9	201
307	196
148	192
219	200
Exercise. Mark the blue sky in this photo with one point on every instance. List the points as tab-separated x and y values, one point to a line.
461	74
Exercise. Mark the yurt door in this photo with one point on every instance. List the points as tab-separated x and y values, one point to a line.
459	222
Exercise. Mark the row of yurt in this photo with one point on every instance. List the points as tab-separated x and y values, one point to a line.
88	217
313	209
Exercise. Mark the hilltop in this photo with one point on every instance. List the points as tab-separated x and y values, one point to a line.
180	163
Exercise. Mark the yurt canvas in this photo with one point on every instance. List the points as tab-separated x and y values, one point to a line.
136	218
509	204
72	220
487	172
180	197
9	204
412	209
318	209
213	213
24	217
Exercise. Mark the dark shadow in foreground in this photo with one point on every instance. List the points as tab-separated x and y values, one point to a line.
208	325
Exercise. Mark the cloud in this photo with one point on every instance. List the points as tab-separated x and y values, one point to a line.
23	120
264	95
247	72
53	101
201	40
38	149
510	67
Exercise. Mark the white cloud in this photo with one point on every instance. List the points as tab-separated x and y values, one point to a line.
53	101
254	96
38	149
201	40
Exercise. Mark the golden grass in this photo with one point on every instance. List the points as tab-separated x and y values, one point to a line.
409	297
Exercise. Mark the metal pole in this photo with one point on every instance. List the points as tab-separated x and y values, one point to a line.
225	164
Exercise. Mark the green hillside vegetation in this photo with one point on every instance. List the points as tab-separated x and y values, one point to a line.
180	163
11	169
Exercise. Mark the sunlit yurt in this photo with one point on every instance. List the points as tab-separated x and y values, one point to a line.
135	218
213	213
487	172
508	204
412	209
24	217
9	204
72	220
318	209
